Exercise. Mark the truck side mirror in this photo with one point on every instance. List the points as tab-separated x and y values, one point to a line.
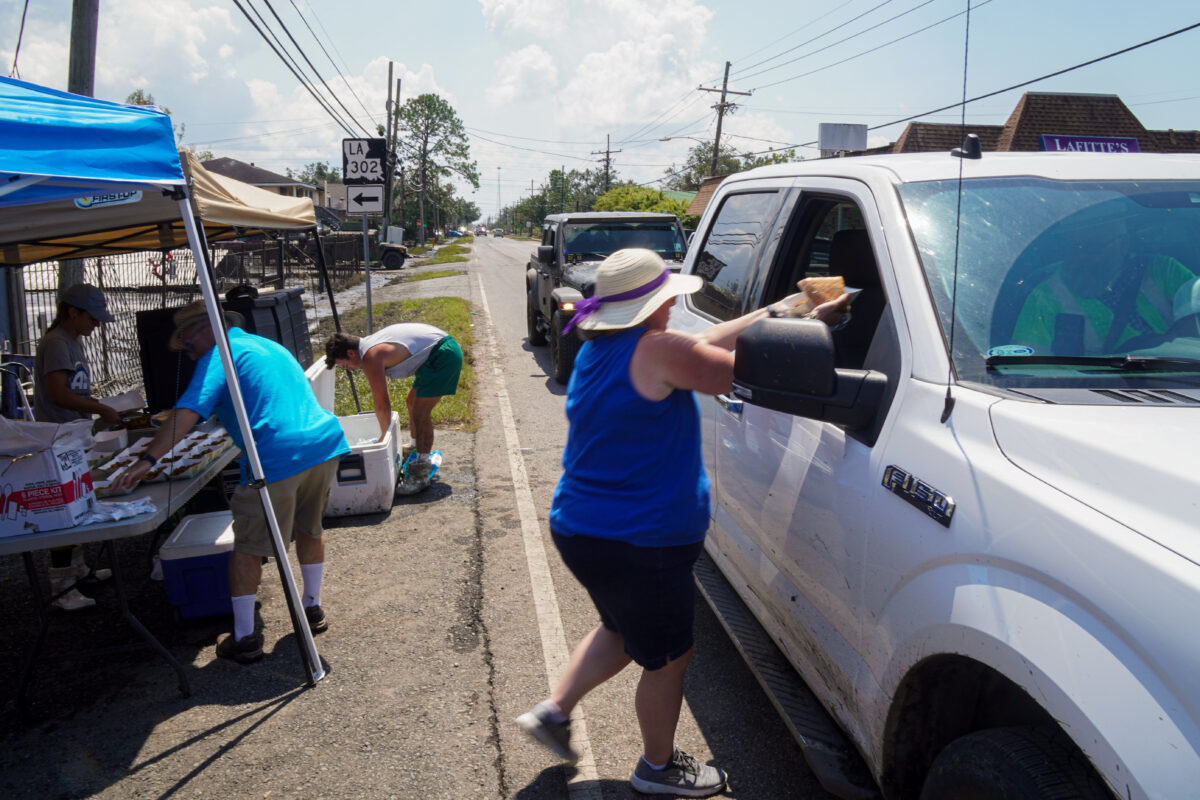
545	254
788	365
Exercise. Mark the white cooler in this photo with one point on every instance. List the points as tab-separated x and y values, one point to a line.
366	478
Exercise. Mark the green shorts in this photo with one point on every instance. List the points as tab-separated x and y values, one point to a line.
438	376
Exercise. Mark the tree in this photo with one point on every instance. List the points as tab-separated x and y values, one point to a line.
699	166
314	173
436	141
639	198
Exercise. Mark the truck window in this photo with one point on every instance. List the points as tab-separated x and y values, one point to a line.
731	251
600	239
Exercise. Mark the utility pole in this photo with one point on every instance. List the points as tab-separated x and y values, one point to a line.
81	79
607	152
390	157
389	164
499	208
721	108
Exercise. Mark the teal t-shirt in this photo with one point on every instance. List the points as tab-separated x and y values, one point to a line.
291	430
632	468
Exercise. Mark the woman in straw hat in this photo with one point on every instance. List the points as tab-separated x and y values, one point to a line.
630	512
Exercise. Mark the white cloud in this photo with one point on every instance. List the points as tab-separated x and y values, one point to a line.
524	75
545	17
645	58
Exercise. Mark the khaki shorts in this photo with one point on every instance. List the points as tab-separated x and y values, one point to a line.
299	503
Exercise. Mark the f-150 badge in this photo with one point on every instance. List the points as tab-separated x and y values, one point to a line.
916	491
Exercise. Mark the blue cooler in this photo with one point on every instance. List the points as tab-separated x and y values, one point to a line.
195	563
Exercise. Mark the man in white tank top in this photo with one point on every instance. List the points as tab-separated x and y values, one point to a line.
398	351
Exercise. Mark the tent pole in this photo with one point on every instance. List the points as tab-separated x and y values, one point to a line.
308	648
337	323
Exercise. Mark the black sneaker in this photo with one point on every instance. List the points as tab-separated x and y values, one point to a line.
316	619
683	777
244	651
554	735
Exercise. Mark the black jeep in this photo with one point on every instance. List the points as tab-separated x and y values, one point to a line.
562	270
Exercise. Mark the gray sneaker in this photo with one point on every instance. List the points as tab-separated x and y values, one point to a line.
683	777
556	736
416	478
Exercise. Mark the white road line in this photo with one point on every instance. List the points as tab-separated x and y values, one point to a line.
582	785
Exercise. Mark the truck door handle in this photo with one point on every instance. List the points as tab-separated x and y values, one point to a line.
730	404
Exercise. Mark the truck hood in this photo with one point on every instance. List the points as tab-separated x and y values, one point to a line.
582	276
1134	465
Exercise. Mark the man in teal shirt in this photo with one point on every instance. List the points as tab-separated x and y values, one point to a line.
298	442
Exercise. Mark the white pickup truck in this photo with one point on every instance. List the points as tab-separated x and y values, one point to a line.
970	519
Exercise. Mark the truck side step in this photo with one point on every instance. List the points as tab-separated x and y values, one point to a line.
833	759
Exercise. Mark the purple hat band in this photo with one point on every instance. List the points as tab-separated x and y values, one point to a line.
590	305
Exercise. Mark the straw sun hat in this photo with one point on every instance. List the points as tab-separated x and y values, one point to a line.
190	315
630	286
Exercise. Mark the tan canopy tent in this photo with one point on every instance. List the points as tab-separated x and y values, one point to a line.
128	221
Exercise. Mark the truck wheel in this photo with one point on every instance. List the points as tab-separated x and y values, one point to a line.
537	336
1013	764
563	347
393	260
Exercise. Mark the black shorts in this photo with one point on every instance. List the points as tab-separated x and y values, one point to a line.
645	594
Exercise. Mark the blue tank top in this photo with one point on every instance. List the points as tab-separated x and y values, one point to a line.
632	468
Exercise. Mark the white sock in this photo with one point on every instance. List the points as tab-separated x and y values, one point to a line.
312	584
243	615
422	457
653	766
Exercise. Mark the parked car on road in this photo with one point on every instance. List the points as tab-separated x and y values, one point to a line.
563	268
968	518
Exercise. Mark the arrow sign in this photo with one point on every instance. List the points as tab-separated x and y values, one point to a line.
364	199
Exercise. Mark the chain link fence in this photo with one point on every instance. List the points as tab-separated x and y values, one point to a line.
144	281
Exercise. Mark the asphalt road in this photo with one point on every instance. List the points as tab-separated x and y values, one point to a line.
448	617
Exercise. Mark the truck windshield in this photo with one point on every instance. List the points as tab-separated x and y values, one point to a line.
1075	270
603	238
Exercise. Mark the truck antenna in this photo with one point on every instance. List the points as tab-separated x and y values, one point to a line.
970	149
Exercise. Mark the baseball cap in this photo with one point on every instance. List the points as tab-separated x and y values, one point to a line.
88	298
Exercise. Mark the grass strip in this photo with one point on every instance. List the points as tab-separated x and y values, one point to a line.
451	314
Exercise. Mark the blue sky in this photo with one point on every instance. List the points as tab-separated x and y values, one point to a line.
541	83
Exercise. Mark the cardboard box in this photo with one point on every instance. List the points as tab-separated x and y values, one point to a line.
195	563
366	478
45	485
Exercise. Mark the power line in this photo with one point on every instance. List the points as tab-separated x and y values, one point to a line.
526	149
786	35
320	77
329	110
683	102
873	49
843	41
740	72
13	73
527	138
1022	84
340	73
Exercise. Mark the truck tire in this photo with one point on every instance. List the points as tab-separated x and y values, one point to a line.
563	347
393	260
537	336
1013	764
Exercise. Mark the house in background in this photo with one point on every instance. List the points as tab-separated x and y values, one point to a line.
264	179
1052	121
1041	121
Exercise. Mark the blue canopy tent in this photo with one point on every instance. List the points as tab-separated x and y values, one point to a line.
55	145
